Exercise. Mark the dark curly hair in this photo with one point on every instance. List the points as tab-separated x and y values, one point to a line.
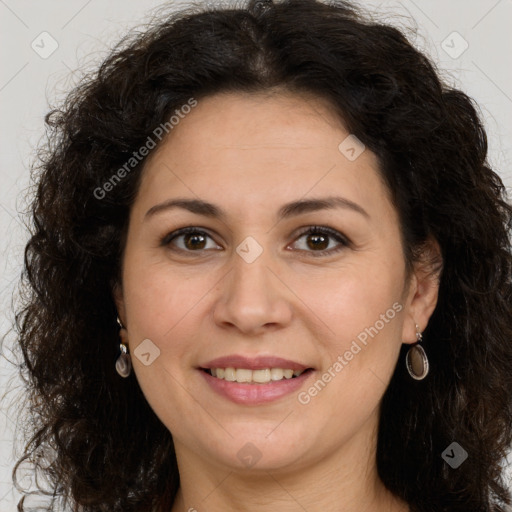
92	434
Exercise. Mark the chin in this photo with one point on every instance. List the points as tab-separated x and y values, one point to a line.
262	452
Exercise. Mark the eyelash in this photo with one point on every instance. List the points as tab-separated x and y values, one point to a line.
315	230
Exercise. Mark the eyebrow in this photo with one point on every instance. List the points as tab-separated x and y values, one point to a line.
201	207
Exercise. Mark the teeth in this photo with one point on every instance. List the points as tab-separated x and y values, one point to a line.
243	375
229	374
261	375
288	374
276	373
254	376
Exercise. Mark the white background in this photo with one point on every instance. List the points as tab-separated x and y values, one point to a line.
85	30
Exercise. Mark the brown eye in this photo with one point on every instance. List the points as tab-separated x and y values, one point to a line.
318	239
194	241
188	240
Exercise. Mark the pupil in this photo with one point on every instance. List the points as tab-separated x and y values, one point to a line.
316	239
193	245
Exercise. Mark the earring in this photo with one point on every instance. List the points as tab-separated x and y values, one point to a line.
416	359
123	362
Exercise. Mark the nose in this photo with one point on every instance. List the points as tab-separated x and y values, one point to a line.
253	298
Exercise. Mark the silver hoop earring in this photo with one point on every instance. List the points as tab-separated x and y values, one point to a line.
123	362
416	359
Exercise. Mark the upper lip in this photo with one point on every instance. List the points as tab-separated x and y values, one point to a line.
253	363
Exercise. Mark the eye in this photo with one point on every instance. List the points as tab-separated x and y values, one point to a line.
318	238
193	239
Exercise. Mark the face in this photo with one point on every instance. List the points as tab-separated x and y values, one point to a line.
323	288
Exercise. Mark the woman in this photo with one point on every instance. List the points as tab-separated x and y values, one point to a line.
270	269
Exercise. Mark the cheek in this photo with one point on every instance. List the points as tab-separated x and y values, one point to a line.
362	316
361	312
160	301
162	297
353	299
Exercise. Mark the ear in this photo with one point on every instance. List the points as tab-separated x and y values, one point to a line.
118	296
423	290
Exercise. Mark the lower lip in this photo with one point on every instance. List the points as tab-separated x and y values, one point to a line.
255	394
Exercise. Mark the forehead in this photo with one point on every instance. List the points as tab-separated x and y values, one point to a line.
251	149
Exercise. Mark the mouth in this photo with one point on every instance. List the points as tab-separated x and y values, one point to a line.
258	376
255	387
255	380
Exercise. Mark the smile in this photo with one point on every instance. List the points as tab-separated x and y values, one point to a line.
263	376
250	392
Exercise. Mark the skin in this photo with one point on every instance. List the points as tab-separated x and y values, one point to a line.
250	154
